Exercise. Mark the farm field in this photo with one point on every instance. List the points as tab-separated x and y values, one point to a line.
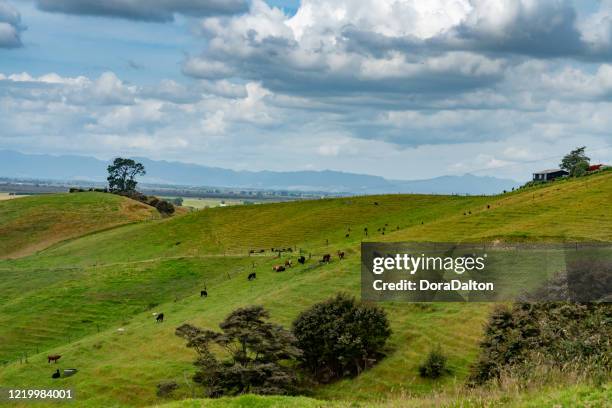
100	276
201	203
7	196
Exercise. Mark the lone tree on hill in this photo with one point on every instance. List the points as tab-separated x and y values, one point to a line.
121	174
576	163
257	355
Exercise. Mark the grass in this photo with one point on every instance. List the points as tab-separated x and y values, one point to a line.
33	223
578	395
56	300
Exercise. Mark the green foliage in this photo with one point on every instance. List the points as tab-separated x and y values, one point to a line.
554	334
178	201
340	337
165	388
257	350
121	174
434	365
575	162
165	207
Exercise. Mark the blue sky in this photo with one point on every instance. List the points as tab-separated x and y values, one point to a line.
398	88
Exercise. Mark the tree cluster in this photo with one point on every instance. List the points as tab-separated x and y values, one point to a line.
332	339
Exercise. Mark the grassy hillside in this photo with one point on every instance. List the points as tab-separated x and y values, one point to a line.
57	300
30	224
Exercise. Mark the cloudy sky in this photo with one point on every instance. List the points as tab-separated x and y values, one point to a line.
404	89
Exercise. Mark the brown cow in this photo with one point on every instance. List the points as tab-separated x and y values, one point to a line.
341	254
288	263
278	268
326	258
53	357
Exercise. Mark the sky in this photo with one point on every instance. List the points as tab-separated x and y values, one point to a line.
404	89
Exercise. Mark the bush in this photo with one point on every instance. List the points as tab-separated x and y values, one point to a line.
164	207
435	365
165	388
340	337
258	355
556	334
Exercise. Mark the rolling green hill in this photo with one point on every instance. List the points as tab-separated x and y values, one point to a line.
72	298
33	223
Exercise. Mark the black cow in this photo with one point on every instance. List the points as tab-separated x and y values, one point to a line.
252	276
302	259
56	374
326	258
159	318
203	293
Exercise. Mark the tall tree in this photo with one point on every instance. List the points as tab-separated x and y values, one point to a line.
576	163
256	350
121	174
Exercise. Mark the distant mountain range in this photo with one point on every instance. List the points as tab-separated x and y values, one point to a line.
81	168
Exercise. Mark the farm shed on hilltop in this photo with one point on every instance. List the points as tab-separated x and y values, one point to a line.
547	175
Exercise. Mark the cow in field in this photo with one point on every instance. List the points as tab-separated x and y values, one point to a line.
278	268
302	259
53	357
288	263
341	254
252	276
159	318
326	258
204	293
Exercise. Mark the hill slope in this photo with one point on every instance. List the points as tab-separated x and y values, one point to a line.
33	223
116	278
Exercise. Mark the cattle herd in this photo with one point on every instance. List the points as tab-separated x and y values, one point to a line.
159	317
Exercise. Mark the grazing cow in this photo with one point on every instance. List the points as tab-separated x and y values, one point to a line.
252	276
56	374
278	268
53	357
375	202
204	293
288	263
302	259
341	254
326	258
346	236
159	318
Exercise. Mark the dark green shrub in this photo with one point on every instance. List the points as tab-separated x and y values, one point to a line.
164	207
165	388
340	337
434	365
558	334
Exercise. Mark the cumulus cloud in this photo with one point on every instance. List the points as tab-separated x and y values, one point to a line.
144	10
398	46
10	26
